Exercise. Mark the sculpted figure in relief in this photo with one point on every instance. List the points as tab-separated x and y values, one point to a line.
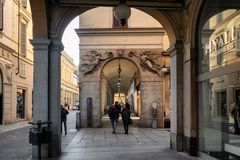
92	59
8	68
147	60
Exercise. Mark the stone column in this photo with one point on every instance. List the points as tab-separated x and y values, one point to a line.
54	97
40	83
176	100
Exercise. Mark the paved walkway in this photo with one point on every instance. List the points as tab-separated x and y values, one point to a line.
101	144
11	127
139	144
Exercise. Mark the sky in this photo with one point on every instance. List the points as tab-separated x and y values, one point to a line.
70	40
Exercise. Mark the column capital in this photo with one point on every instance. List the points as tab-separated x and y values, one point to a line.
40	44
57	45
175	48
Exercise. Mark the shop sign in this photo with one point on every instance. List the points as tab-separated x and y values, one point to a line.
225	42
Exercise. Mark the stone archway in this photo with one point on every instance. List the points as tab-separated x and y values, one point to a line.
119	78
149	80
54	17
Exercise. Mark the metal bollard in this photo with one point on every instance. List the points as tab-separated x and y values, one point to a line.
78	120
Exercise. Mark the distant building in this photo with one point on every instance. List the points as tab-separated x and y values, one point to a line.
16	61
69	81
124	64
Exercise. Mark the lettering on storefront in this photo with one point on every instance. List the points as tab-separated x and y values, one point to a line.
226	41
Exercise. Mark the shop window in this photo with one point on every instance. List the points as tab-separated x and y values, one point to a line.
219	85
221	103
20	103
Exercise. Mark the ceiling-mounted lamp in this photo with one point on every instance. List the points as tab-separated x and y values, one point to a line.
119	77
122	12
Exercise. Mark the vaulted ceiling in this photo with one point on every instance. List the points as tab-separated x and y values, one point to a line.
128	72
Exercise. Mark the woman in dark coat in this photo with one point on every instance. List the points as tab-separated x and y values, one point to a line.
126	116
113	113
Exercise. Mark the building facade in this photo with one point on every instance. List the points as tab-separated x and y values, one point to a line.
69	81
16	61
124	64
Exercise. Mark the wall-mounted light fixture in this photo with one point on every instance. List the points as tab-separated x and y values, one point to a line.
165	70
122	12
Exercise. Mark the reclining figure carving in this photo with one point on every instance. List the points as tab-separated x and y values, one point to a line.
147	60
92	59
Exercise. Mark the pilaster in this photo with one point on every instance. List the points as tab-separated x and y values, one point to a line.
190	110
40	85
40	91
54	97
176	55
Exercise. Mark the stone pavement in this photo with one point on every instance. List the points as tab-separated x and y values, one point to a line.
139	144
96	144
11	127
14	139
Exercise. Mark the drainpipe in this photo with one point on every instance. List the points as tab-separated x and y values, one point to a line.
18	56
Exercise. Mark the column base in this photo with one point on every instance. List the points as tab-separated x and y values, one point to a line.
190	145
176	142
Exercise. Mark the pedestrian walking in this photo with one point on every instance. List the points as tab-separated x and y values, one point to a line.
64	114
113	113
126	116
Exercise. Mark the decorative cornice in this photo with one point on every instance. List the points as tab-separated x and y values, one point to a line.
57	45
136	3
119	31
7	48
40	44
175	48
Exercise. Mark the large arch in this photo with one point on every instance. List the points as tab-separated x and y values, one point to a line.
129	73
47	46
68	15
40	20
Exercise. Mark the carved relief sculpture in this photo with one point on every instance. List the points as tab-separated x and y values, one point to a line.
92	59
8	69
148	61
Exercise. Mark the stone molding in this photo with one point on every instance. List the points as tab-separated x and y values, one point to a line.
40	44
57	45
175	48
117	31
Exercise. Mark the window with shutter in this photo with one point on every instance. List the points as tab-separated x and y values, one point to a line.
23	39
22	70
1	15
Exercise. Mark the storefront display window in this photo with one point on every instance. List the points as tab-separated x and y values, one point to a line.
219	85
20	104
